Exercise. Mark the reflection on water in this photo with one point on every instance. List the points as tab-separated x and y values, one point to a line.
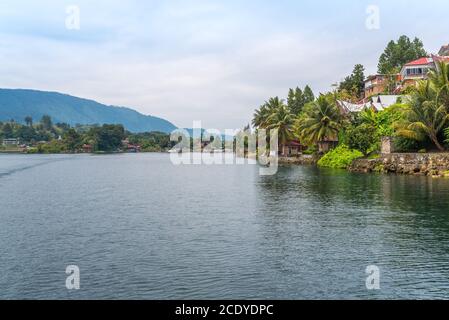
139	227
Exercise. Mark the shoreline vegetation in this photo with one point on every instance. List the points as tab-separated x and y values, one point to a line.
312	129
48	138
417	122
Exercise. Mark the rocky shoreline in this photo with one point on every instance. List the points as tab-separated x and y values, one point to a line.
418	164
301	160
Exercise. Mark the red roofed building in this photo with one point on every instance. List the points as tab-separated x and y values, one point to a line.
292	148
418	69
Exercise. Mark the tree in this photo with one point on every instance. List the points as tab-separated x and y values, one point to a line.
308	95
424	115
72	140
355	83
260	119
260	116
320	122
107	138
298	98
397	54
283	121
29	121
295	100
26	133
7	130
46	122
362	138
440	80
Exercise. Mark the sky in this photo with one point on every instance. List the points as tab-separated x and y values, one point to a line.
213	61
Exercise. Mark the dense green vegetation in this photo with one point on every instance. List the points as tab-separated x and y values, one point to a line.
418	122
46	137
398	53
340	158
354	84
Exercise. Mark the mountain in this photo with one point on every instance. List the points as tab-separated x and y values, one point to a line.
19	103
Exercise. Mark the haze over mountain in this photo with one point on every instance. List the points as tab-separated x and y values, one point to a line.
17	104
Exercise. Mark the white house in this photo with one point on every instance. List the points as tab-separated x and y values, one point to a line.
11	142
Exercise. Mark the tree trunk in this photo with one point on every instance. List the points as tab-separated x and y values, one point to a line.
436	142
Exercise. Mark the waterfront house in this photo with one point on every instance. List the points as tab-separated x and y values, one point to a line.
11	142
292	148
129	147
87	148
381	84
417	70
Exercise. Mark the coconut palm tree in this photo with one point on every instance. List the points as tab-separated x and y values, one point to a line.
261	116
439	79
425	114
29	121
282	120
320	122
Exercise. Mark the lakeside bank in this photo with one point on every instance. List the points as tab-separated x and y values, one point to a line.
417	164
420	164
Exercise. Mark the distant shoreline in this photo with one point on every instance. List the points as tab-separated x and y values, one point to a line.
3	152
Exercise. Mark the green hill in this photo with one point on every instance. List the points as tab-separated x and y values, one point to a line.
19	103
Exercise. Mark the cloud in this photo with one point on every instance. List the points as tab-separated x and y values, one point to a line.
213	61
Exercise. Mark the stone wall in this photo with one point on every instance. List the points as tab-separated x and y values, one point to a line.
428	164
300	160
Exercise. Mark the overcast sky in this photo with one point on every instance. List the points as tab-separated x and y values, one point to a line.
208	60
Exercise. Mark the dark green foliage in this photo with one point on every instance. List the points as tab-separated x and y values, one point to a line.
355	83
298	98
406	145
7	131
398	53
152	141
62	138
72	140
107	138
363	138
46	122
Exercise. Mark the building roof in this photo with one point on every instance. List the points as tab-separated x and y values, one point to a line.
440	58
293	143
380	103
420	62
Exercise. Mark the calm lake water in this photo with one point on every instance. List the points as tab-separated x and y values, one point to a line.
139	227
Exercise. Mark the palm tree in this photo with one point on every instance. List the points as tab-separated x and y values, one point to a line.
425	114
282	120
275	115
261	116
29	121
369	116
321	122
439	78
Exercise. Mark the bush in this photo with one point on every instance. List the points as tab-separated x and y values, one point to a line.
406	145
363	138
341	157
310	151
51	147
